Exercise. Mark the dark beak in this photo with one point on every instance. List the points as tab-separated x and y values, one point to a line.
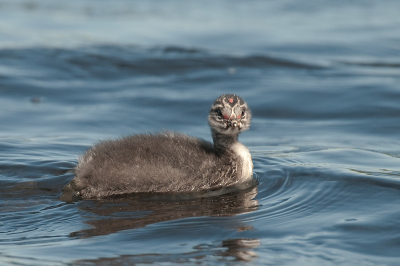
233	123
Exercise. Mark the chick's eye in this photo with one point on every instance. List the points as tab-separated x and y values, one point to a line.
219	113
243	112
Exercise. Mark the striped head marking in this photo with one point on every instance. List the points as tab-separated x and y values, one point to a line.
229	114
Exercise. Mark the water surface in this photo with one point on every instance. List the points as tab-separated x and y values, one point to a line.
322	80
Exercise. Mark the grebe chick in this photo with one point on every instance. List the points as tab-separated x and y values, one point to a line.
170	162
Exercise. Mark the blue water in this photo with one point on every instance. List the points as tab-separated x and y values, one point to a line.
322	80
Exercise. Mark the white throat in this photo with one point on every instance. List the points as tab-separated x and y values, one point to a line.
247	162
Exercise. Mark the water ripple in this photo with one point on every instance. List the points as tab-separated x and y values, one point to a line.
109	62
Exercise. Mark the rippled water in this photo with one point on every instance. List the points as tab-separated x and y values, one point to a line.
322	80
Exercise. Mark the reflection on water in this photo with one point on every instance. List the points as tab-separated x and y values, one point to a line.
114	215
241	250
